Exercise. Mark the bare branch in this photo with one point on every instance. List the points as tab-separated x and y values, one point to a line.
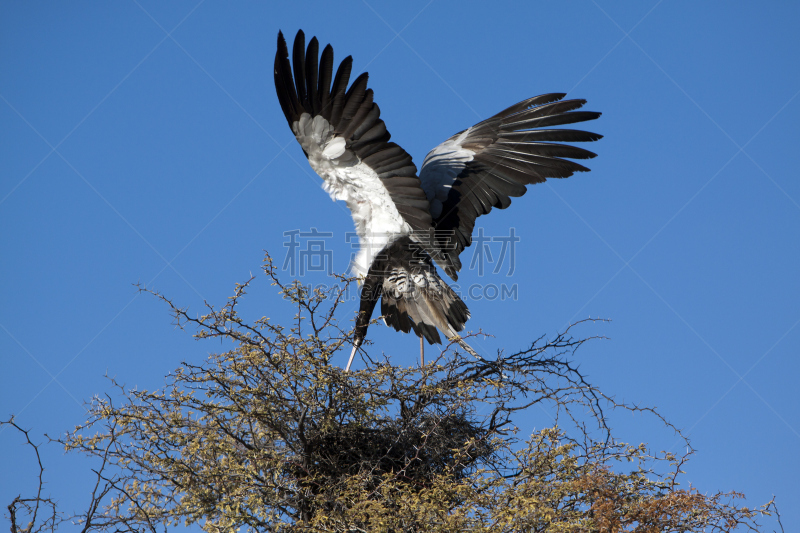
271	436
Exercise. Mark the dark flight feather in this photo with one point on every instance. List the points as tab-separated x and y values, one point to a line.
508	155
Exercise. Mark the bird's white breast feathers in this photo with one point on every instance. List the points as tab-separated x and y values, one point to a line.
441	167
346	178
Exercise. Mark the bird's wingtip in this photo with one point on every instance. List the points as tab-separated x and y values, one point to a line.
300	39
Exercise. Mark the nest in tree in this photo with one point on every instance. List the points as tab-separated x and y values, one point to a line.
413	449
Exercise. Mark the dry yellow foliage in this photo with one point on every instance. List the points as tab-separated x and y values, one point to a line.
270	436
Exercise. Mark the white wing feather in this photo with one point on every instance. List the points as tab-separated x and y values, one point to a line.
346	178
441	167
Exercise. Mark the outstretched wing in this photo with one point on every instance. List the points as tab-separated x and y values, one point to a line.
347	144
491	162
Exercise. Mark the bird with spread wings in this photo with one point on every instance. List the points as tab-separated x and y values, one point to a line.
409	222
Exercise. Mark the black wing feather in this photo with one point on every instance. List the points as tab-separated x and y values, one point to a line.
304	86
325	73
508	155
312	72
560	135
298	62
339	89
284	85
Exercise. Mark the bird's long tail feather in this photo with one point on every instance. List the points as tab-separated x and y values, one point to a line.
466	347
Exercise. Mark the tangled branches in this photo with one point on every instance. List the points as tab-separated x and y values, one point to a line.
272	436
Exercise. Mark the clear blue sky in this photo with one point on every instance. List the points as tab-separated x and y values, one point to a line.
144	142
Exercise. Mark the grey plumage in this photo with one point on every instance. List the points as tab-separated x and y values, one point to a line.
474	171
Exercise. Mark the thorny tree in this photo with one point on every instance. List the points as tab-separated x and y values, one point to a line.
272	436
